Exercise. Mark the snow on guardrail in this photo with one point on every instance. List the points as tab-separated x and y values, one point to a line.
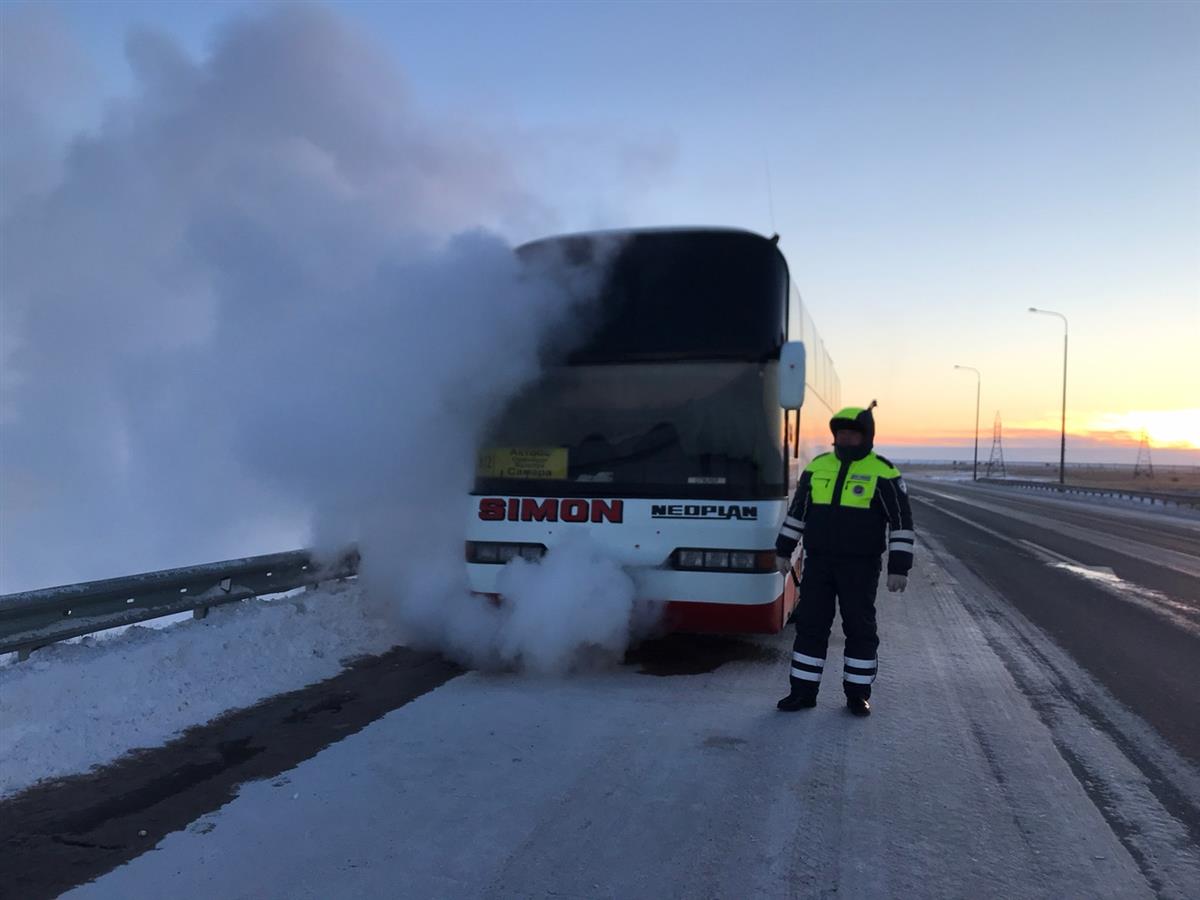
33	619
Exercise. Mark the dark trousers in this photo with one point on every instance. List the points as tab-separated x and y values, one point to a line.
848	582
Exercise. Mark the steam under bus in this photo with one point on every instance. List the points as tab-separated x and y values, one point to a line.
673	433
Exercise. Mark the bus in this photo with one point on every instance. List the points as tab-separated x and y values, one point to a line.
673	432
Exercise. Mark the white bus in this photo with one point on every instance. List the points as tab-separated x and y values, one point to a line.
673	433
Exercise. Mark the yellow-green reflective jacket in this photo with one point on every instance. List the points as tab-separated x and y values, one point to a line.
850	508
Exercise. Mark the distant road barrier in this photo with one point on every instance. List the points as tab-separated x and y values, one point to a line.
1152	497
33	619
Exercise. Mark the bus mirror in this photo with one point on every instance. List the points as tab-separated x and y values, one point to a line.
791	375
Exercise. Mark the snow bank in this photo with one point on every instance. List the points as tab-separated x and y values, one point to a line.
72	706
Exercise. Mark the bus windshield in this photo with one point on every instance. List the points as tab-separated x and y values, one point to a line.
705	429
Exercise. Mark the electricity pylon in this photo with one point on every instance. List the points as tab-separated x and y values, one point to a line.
995	462
1143	468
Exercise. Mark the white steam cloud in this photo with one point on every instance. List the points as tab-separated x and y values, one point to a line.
260	306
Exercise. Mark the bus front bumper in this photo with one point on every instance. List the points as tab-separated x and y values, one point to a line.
699	602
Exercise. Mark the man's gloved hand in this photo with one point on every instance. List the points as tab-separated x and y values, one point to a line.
783	564
897	583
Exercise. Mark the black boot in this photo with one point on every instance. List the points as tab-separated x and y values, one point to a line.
860	706
797	700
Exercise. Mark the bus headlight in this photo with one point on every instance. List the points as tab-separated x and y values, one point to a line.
741	559
689	559
500	552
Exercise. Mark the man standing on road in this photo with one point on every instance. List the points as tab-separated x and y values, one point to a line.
846	504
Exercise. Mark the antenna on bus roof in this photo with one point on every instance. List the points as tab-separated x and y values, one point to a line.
770	196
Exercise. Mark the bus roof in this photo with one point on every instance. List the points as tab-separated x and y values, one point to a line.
656	229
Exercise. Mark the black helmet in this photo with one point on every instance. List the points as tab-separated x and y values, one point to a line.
855	418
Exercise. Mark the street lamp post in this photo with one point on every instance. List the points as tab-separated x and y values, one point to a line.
1062	453
978	382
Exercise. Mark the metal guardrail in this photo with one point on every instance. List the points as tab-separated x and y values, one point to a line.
33	619
1153	497
1021	466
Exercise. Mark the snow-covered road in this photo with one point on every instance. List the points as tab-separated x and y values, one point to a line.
984	772
75	705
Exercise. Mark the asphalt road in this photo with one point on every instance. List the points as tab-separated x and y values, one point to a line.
1118	589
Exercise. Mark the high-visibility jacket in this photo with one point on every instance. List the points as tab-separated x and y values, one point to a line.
852	507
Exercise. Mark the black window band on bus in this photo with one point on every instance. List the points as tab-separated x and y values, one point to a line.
682	294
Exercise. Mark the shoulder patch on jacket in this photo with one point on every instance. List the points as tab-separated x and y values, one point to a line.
879	465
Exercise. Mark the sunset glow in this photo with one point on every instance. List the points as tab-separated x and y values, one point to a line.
1177	429
1165	428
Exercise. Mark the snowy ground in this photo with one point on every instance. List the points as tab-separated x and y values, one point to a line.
982	773
74	705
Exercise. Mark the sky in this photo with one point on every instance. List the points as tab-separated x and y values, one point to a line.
934	170
238	237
